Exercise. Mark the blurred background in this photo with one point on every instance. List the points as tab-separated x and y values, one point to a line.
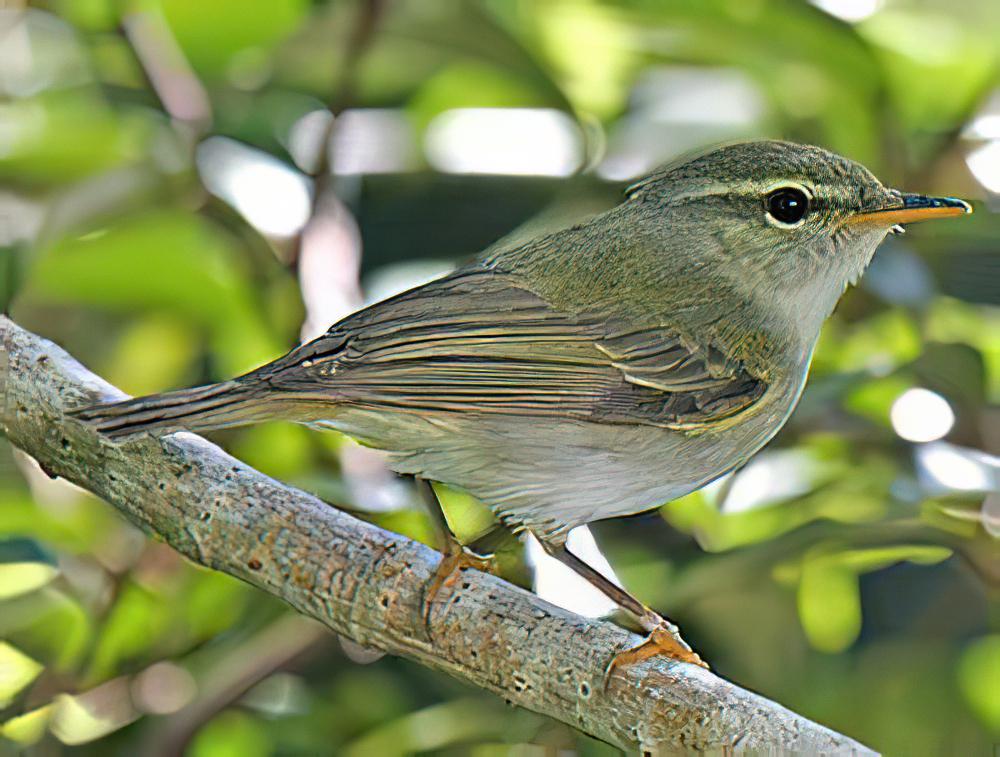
189	188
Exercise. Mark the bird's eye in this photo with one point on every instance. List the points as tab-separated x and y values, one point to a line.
787	205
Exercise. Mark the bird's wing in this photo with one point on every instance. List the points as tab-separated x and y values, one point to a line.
476	342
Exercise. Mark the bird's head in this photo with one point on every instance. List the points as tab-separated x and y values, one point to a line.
795	221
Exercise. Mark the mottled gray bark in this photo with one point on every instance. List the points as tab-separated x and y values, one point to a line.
367	584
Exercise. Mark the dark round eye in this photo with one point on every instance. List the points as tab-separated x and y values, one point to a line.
787	205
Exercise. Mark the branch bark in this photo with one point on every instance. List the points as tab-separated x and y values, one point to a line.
367	584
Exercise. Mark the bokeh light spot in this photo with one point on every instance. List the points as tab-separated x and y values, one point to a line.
270	194
849	10
512	141
920	415
984	163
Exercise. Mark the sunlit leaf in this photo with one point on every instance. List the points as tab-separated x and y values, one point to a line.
472	31
412	523
24	566
864	560
591	48
22	577
467	516
843	492
876	558
829	599
27	729
962	514
82	718
17	670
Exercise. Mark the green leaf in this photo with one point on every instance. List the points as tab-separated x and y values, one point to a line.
411	523
282	450
876	558
471	32
951	320
76	527
591	47
829	600
878	344
873	399
829	603
132	630
467	516
49	625
211	603
472	85
820	75
231	734
979	679
937	63
213	34
137	369
161	259
17	670
92	15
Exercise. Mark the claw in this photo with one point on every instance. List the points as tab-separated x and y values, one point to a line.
663	640
450	569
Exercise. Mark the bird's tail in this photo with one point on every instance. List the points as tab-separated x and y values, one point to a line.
230	403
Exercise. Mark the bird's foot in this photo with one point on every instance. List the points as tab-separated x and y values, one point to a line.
665	639
454	562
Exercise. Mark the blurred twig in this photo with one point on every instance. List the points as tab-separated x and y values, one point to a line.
368	584
361	37
236	673
170	75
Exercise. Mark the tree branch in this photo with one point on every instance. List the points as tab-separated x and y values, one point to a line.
367	584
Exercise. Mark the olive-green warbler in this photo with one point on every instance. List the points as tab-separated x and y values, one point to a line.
597	371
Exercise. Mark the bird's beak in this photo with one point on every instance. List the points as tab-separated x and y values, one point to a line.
913	208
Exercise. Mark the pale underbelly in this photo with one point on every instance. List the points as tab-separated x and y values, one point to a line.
551	476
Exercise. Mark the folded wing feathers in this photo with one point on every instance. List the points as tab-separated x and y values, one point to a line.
475	342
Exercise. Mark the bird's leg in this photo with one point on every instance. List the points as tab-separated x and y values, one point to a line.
664	637
455	557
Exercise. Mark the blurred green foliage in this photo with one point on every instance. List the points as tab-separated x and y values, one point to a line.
850	574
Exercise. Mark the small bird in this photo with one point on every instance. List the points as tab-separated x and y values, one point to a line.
595	372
